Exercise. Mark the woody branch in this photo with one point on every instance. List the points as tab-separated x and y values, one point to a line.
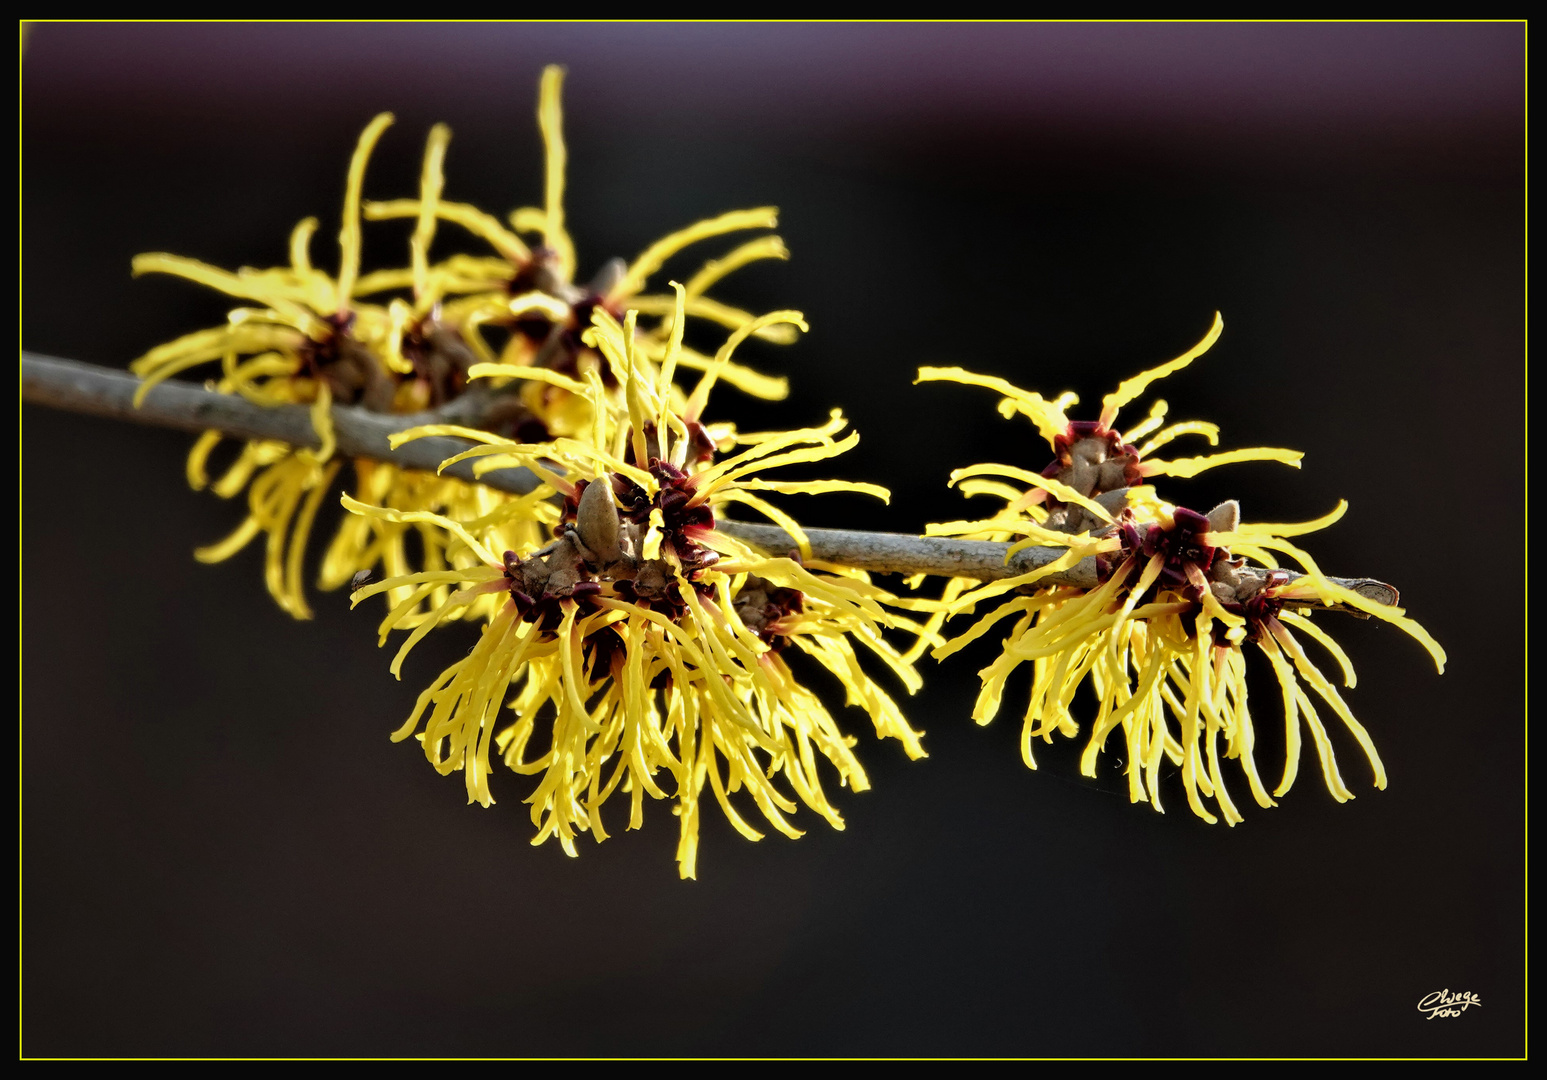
97	391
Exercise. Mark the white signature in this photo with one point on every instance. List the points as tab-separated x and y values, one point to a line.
1444	1003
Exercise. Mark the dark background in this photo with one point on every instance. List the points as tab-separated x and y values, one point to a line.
222	853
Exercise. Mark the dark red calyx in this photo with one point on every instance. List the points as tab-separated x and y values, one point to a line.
540	273
676	491
763	608
440	359
1258	609
700	449
540	585
1093	459
656	588
559	345
353	373
1181	546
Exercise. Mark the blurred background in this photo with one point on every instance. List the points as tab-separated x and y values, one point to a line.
222	852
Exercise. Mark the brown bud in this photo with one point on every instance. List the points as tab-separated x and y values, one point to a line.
560	582
1115	501
447	347
1081	474
596	520
607	278
1225	517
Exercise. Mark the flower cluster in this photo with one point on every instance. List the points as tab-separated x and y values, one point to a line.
641	649
1149	603
637	647
402	341
628	643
